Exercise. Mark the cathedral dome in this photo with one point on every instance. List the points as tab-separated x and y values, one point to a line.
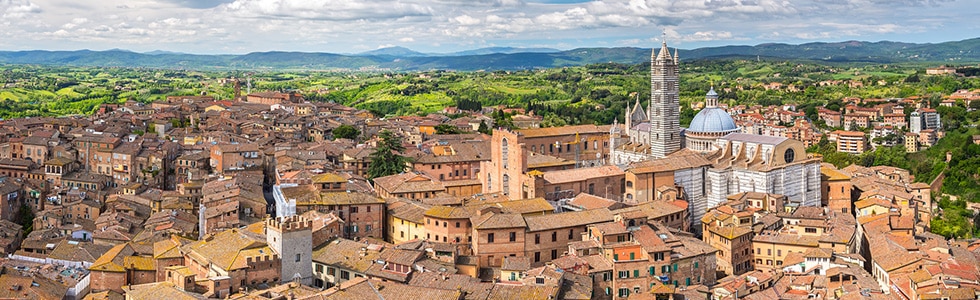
711	120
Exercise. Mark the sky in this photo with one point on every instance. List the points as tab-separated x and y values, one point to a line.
442	26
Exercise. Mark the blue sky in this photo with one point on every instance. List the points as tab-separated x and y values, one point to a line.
439	26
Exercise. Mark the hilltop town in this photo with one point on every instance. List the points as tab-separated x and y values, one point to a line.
270	196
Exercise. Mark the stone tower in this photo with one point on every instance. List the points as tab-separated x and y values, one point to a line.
292	238
664	107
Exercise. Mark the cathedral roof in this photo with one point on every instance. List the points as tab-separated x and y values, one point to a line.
712	119
712	92
679	160
638	115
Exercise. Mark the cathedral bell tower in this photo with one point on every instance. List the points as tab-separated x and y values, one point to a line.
664	107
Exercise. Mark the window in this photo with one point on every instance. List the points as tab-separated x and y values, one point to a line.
537	256
695	265
651	271
675	267
505	186
632	256
353	209
537	238
779	252
636	273
623	292
615	257
769	252
490	238
554	236
344	275
658	256
457	224
606	276
298	256
513	236
503	152
571	234
810	230
624	274
368	209
664	269
539	280
554	253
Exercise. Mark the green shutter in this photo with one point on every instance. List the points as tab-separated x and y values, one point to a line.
615	257
687	281
636	273
651	270
695	265
675	267
632	256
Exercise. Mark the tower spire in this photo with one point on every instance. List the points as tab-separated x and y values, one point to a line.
664	52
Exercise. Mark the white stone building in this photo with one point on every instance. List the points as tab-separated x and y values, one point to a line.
725	160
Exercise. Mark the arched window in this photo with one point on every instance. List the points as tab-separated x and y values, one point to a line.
503	152
505	186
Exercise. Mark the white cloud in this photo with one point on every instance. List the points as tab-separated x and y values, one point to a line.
328	10
449	25
18	8
707	36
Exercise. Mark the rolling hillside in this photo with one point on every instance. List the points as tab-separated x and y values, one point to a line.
402	59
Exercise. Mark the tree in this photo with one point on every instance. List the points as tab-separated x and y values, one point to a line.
385	159
484	129
447	129
346	132
25	217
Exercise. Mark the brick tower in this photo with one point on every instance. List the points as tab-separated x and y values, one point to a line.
292	238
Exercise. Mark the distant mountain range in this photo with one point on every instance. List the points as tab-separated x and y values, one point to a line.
499	58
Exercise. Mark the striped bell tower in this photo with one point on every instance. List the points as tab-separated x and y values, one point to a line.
664	107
